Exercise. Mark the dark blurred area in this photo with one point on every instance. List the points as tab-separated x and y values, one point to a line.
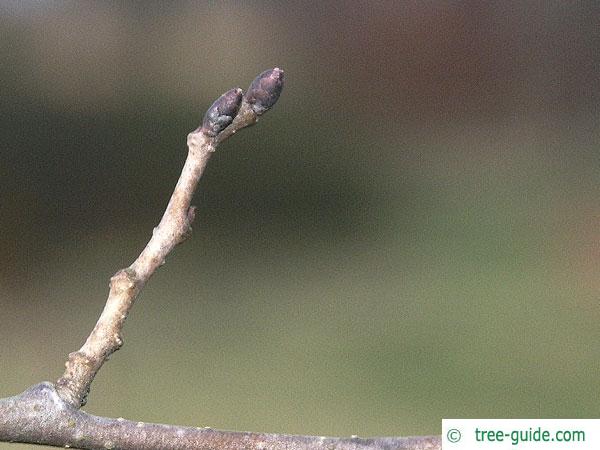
412	232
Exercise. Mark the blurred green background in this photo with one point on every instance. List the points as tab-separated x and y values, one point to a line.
412	233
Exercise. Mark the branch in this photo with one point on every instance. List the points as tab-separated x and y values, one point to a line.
50	414
40	416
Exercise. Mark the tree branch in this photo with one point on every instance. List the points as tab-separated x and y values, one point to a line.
50	413
40	416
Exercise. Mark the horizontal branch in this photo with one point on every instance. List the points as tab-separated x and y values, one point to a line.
40	416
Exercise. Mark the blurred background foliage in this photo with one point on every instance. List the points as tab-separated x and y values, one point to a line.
412	233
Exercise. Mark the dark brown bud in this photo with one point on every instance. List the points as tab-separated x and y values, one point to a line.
264	90
222	112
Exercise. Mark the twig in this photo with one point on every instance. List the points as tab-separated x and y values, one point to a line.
50	413
125	285
221	120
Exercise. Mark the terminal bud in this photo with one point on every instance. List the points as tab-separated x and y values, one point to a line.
264	90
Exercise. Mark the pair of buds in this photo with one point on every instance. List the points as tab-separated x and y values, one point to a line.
260	97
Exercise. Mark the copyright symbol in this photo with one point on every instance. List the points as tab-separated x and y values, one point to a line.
453	435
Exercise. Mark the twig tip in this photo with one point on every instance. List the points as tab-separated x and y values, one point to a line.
264	91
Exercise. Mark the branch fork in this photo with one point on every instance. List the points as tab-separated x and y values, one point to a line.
51	414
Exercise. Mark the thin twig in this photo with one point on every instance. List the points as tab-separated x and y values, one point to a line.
126	284
175	225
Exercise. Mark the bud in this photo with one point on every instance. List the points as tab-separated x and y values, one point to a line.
264	90
222	112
